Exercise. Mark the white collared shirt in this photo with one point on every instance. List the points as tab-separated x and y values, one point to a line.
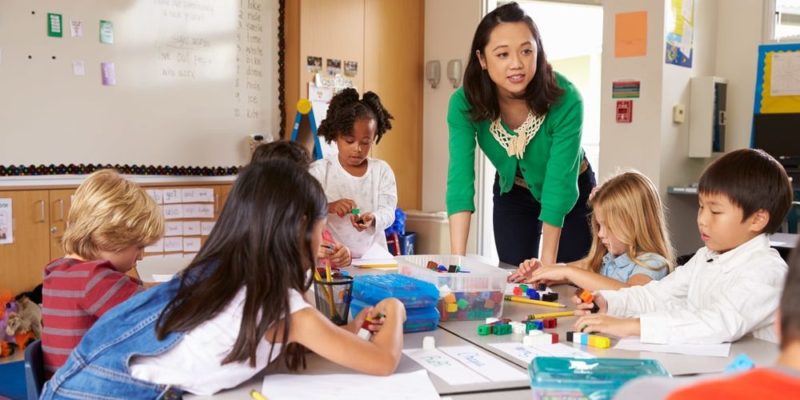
714	298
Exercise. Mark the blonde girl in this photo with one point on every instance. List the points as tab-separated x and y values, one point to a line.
630	243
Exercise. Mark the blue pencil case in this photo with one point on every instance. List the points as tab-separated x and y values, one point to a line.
417	319
413	293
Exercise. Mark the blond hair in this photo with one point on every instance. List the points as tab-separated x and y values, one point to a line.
110	213
634	214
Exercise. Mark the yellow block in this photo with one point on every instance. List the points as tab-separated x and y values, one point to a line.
601	342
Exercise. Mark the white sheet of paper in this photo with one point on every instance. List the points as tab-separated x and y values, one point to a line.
6	221
76	28
171	196
172	211
78	68
173	244
484	363
191	228
162	277
157	195
188	195
399	386
710	350
173	228
785	79
204	195
376	254
157	247
191	244
444	366
528	353
206	227
198	211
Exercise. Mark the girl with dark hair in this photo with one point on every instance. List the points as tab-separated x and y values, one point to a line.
234	309
353	180
527	120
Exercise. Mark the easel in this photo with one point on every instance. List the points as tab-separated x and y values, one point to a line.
304	108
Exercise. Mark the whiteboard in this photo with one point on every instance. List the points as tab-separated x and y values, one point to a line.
194	78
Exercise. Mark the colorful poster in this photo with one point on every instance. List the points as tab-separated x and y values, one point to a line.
6	227
54	27
106	32
630	34
680	22
625	89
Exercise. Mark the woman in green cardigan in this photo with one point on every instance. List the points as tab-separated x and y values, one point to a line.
527	120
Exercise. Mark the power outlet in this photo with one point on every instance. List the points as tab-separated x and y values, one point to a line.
679	113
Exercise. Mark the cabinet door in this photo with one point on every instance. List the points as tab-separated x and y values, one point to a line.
60	201
22	262
220	196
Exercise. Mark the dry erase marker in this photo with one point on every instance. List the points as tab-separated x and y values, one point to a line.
364	332
520	299
256	395
552	315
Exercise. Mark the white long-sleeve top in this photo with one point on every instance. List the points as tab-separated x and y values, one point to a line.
714	298
375	192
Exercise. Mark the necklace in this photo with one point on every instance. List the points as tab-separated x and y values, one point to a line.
515	145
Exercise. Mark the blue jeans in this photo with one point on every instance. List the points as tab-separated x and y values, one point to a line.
517	228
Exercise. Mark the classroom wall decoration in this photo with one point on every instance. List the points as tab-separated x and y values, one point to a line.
778	79
680	22
139	83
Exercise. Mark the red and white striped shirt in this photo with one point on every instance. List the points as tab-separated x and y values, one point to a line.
75	294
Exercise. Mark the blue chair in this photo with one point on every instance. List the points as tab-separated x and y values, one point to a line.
34	370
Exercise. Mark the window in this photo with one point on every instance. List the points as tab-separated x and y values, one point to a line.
782	22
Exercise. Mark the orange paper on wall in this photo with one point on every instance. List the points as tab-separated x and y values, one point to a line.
630	34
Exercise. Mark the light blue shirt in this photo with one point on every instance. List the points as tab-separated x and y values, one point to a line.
622	267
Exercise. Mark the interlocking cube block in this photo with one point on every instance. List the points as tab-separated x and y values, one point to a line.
484	330
552	296
517	328
542	338
452	307
501	329
532	294
550	323
601	342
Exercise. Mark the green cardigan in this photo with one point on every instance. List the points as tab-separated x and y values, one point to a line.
550	164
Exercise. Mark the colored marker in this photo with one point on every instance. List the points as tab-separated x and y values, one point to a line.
520	299
552	315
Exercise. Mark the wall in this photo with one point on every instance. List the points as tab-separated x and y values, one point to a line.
193	79
726	38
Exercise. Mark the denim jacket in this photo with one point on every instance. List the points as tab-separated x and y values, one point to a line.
98	367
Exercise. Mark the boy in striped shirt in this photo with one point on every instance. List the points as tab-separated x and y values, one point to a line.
110	222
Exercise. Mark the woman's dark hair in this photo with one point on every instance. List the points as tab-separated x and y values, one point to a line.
284	149
261	242
345	109
481	92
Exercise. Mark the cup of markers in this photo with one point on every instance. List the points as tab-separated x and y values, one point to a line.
333	293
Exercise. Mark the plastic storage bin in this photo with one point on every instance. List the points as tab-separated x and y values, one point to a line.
417	319
586	378
475	293
413	293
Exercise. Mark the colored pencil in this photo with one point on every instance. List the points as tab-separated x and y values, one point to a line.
520	299
552	315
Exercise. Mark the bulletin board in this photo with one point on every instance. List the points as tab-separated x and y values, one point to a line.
778	79
188	82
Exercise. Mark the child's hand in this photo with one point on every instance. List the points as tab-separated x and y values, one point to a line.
550	274
524	271
340	256
602	323
362	221
585	308
391	306
341	207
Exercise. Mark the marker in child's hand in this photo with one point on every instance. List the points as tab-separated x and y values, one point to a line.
364	332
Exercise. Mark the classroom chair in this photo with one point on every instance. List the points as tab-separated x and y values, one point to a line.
34	369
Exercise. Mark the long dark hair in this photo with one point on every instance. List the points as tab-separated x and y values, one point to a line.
262	242
345	109
481	92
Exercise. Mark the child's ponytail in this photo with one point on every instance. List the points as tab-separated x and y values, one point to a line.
382	116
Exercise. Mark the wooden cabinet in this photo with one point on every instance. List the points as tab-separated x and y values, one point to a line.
39	219
60	201
22	262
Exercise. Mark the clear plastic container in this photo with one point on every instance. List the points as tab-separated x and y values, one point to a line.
417	319
475	293
413	293
586	378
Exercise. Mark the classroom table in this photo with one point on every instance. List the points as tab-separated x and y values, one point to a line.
317	365
763	353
